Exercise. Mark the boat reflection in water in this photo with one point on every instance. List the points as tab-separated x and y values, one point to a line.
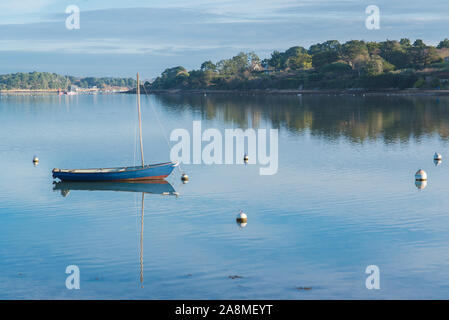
148	186
161	187
421	184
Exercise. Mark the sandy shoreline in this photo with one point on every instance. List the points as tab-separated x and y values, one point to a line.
362	92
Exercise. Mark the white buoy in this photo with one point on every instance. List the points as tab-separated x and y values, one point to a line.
437	157
242	217
421	175
184	177
35	159
245	158
421	184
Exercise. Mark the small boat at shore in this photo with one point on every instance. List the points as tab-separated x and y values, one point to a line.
135	173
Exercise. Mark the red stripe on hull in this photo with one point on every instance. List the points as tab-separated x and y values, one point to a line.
144	178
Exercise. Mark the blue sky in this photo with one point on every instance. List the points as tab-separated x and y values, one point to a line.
119	38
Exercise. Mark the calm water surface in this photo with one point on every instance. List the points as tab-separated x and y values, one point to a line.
344	198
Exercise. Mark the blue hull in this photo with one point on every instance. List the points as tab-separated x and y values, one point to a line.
148	172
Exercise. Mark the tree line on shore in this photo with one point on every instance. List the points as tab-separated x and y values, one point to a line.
328	65
52	81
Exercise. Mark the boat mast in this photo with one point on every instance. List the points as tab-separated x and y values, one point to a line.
140	119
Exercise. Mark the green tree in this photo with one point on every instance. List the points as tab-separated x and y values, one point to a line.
236	64
419	44
296	58
394	53
443	44
405	42
419	56
325	53
208	65
373	47
328	46
171	73
300	61
376	66
276	60
355	52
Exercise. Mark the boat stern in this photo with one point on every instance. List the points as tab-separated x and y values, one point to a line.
55	172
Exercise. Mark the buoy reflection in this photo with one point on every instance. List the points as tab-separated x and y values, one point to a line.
242	224
421	184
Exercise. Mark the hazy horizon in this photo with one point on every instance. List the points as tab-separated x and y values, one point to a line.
119	38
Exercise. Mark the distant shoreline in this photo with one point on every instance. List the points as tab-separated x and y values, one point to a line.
356	92
28	90
387	92
56	91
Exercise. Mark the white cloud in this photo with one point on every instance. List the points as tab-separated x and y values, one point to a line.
23	6
23	11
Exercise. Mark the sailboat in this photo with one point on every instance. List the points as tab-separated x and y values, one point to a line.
135	173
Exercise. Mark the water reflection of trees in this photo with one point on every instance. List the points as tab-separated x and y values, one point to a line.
391	118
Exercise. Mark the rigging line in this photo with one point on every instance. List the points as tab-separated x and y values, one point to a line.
160	123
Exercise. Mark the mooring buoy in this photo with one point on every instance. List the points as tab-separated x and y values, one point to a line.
184	177
245	158
242	217
421	175
35	159
437	157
